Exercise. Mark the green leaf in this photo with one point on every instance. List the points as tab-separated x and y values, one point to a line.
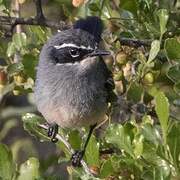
30	62
172	48
173	141
106	168
38	34
119	136
163	18
155	163
157	173
162	111
129	5
75	139
155	47
20	40
174	73
29	170
7	166
138	145
152	91
32	124
11	50
15	68
92	152
134	92
151	134
2	8
94	7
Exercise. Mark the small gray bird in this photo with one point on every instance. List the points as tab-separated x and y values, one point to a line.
73	83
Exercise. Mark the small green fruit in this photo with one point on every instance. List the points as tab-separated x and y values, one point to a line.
121	58
148	79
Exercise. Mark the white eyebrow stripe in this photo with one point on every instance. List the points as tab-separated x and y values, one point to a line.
67	64
72	45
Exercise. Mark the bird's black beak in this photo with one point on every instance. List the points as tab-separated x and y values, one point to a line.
99	52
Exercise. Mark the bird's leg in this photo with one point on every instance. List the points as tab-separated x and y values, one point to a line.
52	132
78	155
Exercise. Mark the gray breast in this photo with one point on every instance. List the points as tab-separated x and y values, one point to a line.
71	95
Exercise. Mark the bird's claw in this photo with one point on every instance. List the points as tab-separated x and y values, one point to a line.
76	158
52	132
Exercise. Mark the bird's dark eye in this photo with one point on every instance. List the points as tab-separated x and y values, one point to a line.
74	52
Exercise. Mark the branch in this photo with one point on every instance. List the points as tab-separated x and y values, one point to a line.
134	42
68	146
39	19
39	12
13	21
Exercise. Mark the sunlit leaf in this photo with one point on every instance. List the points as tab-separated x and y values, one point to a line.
11	50
15	68
163	18
162	111
38	34
138	145
29	170
155	163
155	47
118	135
32	124
151	134
20	40
92	152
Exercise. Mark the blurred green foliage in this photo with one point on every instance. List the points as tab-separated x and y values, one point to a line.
146	145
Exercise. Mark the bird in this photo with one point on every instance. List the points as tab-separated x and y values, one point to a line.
73	83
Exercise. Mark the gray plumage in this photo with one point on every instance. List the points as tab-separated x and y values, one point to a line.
71	92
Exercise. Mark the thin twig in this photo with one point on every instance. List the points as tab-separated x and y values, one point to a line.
13	21
39	19
70	149
18	29
134	42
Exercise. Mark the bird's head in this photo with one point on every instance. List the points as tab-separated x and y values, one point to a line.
76	44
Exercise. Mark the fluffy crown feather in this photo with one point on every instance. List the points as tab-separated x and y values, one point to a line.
91	24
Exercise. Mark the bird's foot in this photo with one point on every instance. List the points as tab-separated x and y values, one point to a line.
76	158
52	132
